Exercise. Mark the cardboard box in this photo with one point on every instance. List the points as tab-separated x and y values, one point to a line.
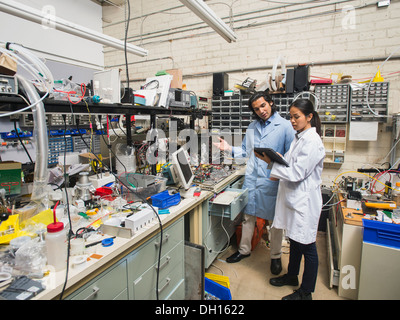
10	177
176	78
8	66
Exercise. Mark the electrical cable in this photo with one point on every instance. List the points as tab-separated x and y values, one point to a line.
69	214
209	230
125	42
372	78
112	128
137	194
109	148
334	181
119	126
38	75
20	140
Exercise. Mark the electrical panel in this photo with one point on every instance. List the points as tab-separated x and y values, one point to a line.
8	85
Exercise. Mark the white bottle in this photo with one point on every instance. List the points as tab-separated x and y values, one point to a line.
56	246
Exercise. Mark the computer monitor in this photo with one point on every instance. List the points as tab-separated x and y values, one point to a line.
182	168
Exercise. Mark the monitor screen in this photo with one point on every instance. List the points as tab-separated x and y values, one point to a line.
182	167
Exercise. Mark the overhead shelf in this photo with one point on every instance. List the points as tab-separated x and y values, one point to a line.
11	103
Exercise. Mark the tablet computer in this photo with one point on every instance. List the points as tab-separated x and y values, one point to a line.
272	155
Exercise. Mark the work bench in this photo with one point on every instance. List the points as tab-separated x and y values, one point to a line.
128	268
359	267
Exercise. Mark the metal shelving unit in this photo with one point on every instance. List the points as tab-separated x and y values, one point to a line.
11	103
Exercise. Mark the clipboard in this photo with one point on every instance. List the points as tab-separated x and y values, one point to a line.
271	153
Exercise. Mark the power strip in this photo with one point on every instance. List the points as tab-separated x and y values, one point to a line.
139	220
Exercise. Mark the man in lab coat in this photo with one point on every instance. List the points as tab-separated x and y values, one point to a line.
269	130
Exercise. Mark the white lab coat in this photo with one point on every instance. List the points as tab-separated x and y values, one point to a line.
278	135
299	199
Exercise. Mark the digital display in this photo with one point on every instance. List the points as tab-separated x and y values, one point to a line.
182	168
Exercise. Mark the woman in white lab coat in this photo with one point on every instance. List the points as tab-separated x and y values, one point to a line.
299	199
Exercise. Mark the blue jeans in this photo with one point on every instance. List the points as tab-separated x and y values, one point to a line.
297	250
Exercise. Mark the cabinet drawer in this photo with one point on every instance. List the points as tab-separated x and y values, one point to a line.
144	288
238	184
109	285
147	255
178	293
233	208
171	262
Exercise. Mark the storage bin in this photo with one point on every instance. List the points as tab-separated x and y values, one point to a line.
165	200
222	280
216	290
142	186
382	233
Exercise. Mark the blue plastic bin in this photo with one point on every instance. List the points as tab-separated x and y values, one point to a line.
165	200
381	233
217	290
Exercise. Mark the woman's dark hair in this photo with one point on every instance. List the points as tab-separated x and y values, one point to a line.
258	95
307	107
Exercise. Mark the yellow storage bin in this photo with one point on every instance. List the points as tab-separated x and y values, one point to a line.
222	280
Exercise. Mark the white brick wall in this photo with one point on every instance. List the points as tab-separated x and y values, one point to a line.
329	37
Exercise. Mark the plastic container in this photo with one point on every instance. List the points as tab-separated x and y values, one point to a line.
165	200
222	280
216	290
381	233
140	100
142	186
126	158
56	246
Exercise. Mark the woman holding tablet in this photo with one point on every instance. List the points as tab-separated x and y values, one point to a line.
299	199
268	130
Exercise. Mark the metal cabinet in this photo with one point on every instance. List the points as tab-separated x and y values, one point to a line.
110	285
344	253
379	278
143	266
218	225
134	276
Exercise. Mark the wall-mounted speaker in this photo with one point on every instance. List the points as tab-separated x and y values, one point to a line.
220	83
301	78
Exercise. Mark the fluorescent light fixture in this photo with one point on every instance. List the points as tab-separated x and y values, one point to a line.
208	16
25	12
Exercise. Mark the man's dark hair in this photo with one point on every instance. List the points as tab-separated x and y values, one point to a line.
258	95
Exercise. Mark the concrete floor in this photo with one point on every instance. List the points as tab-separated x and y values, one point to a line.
249	278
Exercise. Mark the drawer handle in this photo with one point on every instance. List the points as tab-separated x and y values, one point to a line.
165	285
167	259
157	244
93	294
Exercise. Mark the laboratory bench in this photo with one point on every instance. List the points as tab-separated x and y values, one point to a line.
128	268
361	268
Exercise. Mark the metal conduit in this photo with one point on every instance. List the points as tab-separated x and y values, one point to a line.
200	25
318	63
236	15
